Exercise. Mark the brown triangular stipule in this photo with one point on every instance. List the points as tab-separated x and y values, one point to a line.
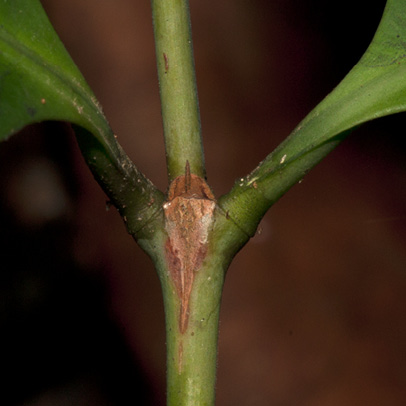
189	213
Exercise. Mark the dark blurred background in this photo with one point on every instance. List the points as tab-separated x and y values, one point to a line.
314	308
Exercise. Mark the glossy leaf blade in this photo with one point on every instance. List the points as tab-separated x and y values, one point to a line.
38	79
374	88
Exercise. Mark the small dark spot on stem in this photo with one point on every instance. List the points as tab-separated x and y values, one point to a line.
166	60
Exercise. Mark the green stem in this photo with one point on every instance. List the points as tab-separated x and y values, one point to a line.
192	354
180	108
192	351
191	268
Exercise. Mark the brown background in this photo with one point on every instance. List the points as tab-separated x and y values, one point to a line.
314	307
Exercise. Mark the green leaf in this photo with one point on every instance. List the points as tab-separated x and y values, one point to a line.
374	88
39	81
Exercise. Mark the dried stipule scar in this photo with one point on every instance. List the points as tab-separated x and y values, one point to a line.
188	219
